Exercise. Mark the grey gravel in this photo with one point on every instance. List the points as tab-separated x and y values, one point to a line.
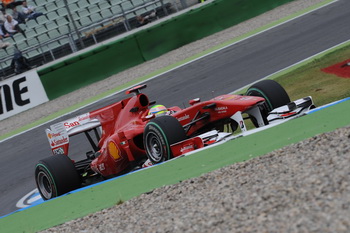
304	187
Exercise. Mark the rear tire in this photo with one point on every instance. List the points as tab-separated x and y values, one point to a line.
159	134
274	94
56	175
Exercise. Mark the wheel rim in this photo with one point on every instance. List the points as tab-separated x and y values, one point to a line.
44	185
154	147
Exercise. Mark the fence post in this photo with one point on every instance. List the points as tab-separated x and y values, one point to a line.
164	8
183	4
126	21
74	25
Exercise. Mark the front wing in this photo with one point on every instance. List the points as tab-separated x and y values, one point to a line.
277	116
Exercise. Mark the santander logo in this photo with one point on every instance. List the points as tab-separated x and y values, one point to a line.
185	117
59	142
186	148
71	124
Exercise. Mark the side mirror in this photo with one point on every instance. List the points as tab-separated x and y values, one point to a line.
194	101
148	117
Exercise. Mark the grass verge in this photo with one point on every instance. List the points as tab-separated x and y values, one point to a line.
309	79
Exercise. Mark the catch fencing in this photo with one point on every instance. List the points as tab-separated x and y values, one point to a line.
70	26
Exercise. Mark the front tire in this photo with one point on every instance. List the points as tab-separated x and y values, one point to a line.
55	176
274	94
159	134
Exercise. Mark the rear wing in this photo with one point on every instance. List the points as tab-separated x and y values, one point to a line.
58	134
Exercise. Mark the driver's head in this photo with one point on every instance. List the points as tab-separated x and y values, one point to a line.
158	110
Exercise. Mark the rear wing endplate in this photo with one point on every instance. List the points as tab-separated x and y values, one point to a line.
58	134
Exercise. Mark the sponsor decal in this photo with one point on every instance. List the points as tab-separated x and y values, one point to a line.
185	117
187	148
51	135
71	124
77	121
221	109
57	135
84	118
58	142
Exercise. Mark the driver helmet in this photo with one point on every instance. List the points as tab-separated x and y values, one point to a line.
158	110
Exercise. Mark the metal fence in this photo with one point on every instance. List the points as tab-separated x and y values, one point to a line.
70	26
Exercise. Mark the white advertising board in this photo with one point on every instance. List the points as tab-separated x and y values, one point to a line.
20	93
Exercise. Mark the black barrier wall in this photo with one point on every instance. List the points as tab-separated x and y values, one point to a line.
144	45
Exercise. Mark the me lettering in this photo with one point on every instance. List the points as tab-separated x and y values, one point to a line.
6	92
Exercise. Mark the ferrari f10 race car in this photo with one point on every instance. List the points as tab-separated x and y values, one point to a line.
125	136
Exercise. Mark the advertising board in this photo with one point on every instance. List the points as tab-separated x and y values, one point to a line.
20	93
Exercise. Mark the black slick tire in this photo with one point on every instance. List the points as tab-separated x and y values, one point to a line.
159	134
56	175
274	94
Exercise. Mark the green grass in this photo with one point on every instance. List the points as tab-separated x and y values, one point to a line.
310	80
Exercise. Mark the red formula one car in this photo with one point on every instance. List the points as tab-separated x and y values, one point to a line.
124	136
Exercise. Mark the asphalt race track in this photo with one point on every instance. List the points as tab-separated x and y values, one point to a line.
218	73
